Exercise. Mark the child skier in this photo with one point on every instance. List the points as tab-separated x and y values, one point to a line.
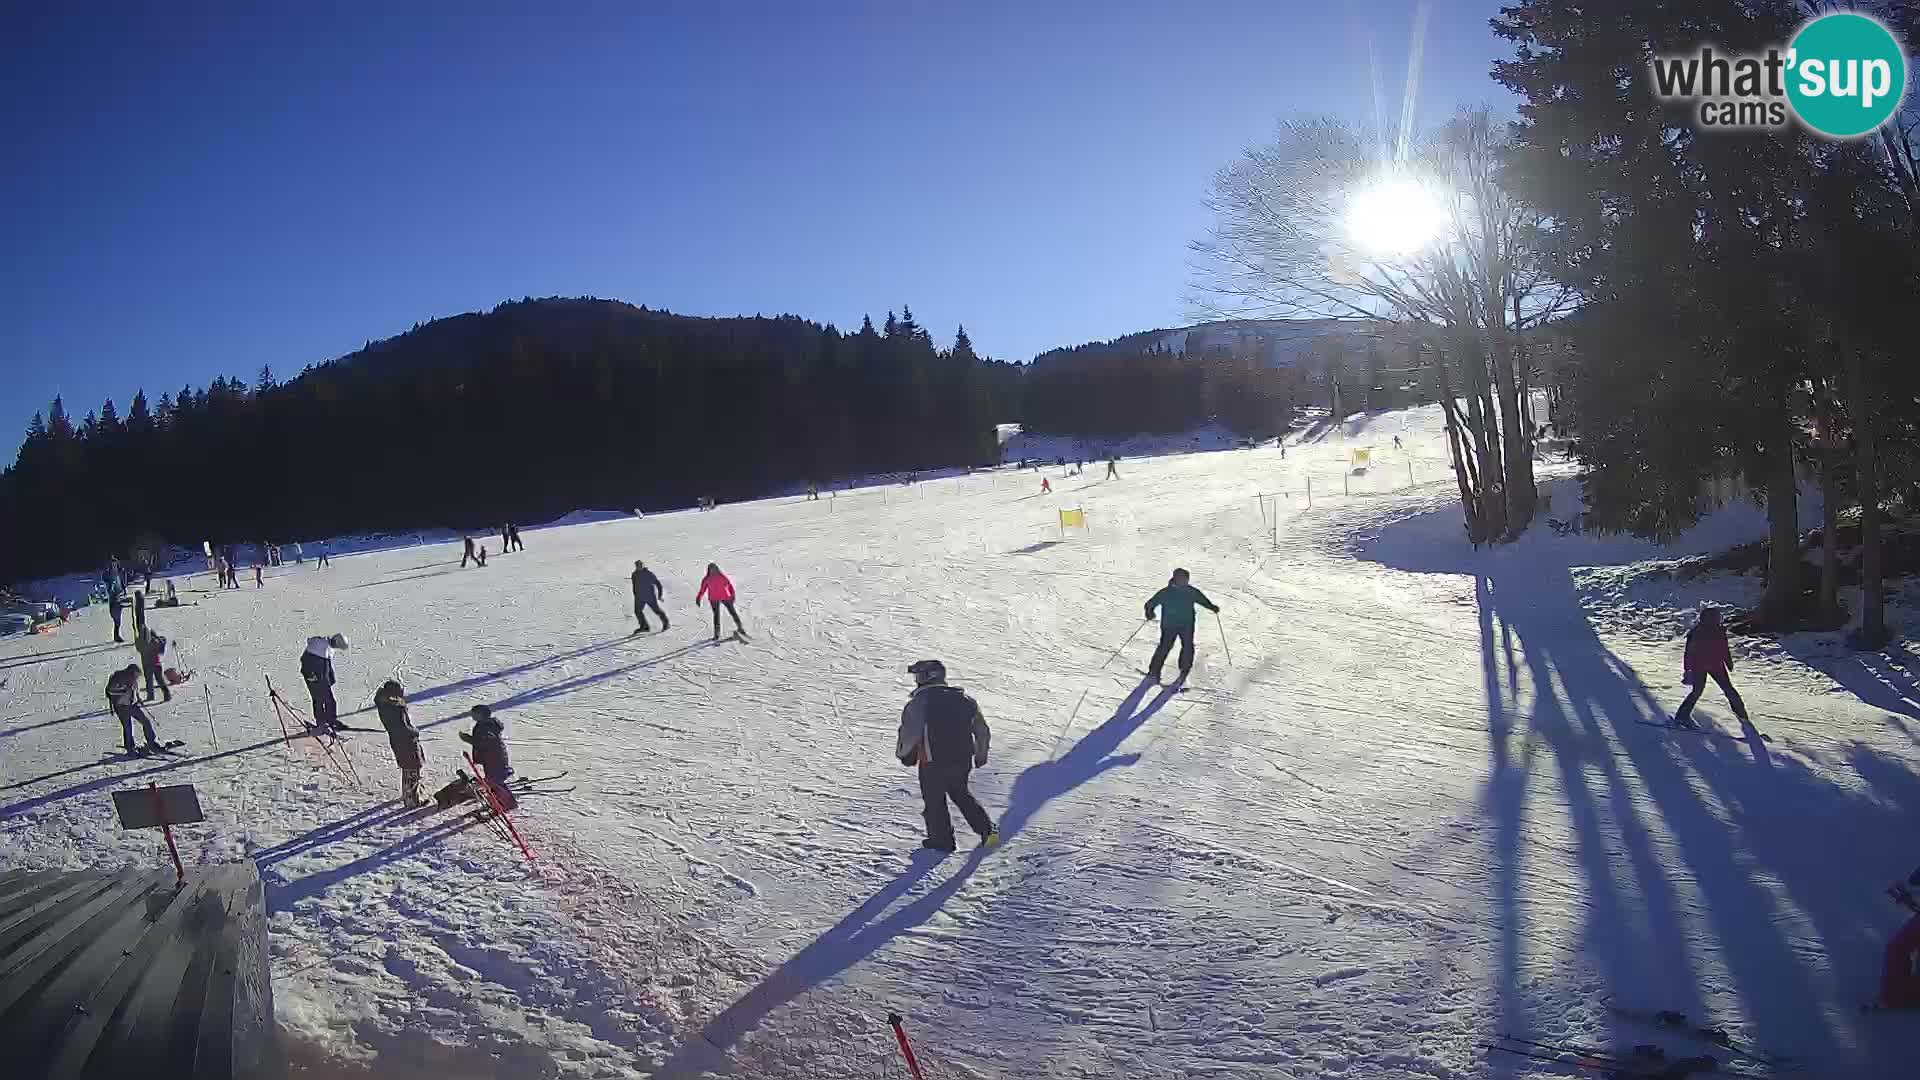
121	687
391	704
1707	654
647	593
1176	603
488	738
943	734
316	667
718	590
1046	486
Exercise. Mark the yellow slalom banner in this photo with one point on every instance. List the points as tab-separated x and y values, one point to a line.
1361	454
1073	519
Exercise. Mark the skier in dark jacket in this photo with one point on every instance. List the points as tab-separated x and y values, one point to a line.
151	647
943	734
122	686
467	553
1176	603
115	604
513	539
1707	654
391	704
490	753
647	593
316	667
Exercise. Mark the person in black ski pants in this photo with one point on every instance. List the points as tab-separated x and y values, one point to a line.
489	739
468	553
513	538
316	667
391	704
943	734
115	604
122	685
647	593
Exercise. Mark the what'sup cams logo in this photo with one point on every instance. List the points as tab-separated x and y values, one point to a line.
1843	75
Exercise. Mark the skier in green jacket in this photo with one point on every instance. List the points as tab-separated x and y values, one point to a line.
1176	603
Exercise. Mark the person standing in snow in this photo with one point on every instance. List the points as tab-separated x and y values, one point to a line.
121	687
324	561
316	667
467	552
943	734
258	581
115	604
718	590
647	593
1176	603
391	703
489	742
513	537
1707	654
1046	486
151	647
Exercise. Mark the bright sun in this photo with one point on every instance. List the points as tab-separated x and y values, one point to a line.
1394	216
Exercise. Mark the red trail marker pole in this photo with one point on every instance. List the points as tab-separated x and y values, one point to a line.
906	1048
179	871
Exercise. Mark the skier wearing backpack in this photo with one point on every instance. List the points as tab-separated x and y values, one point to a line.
943	734
316	667
489	742
391	704
122	685
647	593
1707	654
1176	603
718	590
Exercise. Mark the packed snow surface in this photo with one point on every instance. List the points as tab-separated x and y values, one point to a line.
1416	809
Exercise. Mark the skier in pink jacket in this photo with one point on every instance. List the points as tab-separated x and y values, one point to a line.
717	590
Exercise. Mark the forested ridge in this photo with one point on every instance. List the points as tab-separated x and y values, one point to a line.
543	406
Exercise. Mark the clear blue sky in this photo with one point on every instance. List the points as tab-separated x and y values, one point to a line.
201	194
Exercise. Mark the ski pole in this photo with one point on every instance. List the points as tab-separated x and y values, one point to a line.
1223	637
1123	645
906	1048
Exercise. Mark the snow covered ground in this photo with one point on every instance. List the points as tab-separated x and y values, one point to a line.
1414	811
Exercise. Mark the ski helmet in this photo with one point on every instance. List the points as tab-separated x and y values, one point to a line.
927	672
338	641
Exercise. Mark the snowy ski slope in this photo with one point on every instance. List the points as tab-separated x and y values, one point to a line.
1415	811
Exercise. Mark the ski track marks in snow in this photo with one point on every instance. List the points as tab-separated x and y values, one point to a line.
1417	812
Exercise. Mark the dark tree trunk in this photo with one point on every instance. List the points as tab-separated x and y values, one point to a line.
1866	450
1777	604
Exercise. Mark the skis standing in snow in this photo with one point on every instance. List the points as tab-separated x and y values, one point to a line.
718	590
391	704
943	734
1176	603
121	688
647	593
488	738
316	667
1707	654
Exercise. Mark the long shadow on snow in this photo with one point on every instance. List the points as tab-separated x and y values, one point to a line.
1666	877
1888	679
862	932
24	728
283	894
459	685
21	807
63	654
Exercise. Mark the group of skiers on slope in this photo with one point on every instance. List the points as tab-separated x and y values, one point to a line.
1046	483
715	588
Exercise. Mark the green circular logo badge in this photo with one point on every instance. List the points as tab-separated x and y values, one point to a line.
1846	75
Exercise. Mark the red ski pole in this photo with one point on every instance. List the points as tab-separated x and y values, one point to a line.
906	1048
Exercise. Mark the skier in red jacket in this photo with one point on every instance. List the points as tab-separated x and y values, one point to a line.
1708	654
1900	978
718	590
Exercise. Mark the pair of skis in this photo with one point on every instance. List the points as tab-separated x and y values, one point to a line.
1701	729
1678	1024
165	749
